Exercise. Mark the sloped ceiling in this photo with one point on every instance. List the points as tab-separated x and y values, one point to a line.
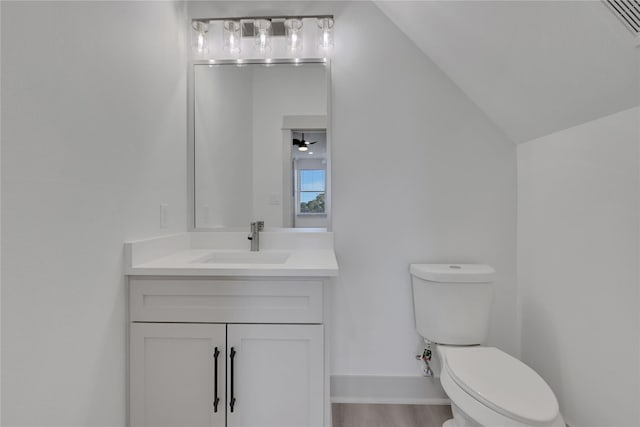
534	67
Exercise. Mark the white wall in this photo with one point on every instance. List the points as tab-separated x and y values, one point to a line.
0	219
578	195
93	140
443	190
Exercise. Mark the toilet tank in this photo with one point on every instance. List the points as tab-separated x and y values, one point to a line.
452	302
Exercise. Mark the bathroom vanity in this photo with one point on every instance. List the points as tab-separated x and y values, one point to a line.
220	336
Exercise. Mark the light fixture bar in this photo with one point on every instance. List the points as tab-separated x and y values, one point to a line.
246	18
274	61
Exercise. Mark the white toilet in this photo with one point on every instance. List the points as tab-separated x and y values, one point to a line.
486	386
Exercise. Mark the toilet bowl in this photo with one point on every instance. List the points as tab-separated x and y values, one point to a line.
487	387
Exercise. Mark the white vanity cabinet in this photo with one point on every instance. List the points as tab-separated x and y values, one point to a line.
176	375
236	352
278	375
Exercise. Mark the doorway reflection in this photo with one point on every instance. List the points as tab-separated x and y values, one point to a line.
309	178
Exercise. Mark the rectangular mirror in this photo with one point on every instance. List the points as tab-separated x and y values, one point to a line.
260	146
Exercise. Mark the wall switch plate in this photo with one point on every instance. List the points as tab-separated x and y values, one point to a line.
164	215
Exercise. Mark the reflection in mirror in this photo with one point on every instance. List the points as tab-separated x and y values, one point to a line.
309	167
252	161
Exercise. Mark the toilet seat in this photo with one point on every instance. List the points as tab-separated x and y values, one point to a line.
502	383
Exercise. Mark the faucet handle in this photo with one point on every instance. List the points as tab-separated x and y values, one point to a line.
260	225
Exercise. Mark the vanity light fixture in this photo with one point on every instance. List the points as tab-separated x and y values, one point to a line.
199	37
325	38
231	36
264	38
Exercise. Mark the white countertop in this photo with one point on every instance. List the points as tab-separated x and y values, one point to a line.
176	256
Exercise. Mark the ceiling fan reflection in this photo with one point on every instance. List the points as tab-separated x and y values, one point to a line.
302	144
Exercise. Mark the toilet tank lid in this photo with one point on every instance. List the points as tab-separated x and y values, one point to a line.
454	273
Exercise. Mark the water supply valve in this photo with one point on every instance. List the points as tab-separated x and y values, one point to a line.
426	359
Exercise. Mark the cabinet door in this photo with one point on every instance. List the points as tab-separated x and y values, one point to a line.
277	375
172	374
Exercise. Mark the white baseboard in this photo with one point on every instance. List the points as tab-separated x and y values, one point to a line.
388	390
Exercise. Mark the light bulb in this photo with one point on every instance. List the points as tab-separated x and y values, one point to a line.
325	39
231	37
199	37
262	31
293	28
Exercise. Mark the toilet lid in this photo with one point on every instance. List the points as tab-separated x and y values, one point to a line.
502	383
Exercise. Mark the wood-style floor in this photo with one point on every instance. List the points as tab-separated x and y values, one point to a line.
369	415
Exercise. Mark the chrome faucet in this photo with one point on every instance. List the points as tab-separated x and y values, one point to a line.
254	235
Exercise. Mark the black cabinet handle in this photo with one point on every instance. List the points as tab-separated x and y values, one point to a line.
232	402
216	399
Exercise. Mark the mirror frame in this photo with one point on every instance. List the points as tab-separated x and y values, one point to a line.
191	160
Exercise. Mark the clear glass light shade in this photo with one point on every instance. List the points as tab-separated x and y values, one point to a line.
199	37
293	28
231	36
262	31
325	35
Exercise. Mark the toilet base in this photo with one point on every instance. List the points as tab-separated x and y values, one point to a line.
450	423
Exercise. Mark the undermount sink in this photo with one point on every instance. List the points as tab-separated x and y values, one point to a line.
244	257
